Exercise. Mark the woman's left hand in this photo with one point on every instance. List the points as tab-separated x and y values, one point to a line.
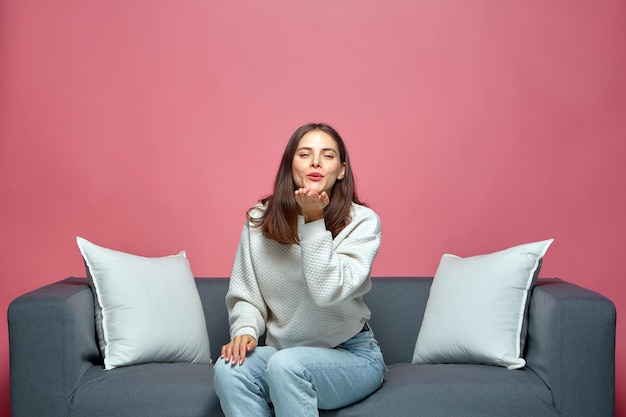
312	203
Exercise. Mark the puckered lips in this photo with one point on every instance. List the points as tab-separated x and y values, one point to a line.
315	176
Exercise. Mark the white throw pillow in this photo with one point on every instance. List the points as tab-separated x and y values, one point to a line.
477	308
147	309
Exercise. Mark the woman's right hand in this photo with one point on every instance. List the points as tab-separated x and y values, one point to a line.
237	349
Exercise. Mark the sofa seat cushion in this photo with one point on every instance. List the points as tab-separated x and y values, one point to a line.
147	390
445	390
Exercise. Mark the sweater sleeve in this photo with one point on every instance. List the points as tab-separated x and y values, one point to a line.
338	270
246	309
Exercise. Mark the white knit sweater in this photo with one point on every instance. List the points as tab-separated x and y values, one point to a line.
308	294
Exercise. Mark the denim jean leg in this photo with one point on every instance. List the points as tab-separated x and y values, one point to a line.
303	379
242	389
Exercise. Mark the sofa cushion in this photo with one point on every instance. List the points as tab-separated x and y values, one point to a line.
147	309
147	390
445	390
477	308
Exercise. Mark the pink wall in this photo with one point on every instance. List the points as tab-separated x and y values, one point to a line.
150	126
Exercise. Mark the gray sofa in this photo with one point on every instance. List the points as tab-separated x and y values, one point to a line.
56	369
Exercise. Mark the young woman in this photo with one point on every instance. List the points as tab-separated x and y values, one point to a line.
301	269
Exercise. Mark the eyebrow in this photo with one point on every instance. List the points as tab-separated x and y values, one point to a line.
307	148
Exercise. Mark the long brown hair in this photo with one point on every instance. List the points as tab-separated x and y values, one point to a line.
280	219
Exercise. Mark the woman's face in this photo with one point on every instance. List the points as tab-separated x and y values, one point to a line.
316	164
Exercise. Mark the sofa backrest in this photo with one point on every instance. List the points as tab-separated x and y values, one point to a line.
397	306
212	293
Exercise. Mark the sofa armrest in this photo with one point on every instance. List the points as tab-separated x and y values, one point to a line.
571	339
52	344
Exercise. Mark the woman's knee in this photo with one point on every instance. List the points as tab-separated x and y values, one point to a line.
224	374
284	364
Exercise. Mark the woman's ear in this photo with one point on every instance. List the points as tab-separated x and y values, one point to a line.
343	171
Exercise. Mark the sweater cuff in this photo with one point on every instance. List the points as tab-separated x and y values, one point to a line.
246	330
311	229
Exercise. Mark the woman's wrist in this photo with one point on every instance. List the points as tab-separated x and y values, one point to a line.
312	216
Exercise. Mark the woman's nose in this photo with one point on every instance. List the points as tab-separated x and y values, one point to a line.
315	163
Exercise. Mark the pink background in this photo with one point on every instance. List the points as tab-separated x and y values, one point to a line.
151	126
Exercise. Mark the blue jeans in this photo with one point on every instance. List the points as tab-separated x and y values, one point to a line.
299	380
